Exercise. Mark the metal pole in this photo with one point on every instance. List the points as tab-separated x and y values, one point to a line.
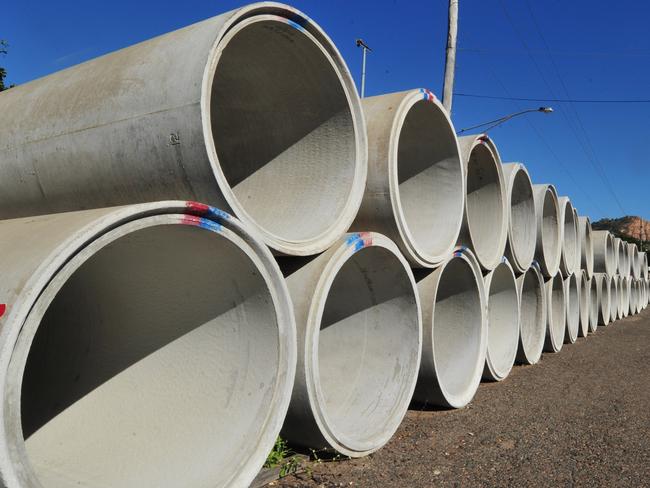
450	59
365	48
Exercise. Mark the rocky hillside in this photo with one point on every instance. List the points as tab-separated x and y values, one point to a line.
630	228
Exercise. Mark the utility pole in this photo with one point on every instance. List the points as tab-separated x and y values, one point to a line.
450	57
365	47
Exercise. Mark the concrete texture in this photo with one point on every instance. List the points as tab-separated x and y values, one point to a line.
569	257
415	188
556	314
454	316
572	292
503	322
532	323
579	418
109	381
549	232
586	246
485	219
522	223
359	344
224	129
604	252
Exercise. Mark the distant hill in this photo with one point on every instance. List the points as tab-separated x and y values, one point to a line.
629	228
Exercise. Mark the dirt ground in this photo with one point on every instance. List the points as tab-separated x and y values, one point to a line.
578	418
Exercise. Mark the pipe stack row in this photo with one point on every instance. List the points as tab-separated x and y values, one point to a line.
349	258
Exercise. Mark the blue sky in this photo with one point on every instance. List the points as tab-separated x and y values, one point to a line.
597	154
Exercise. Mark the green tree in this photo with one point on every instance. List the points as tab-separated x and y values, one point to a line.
3	72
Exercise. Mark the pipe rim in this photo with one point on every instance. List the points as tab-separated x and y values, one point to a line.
587	244
303	26
585	305
531	344
434	255
603	291
556	319
568	236
522	256
76	251
572	290
346	250
547	212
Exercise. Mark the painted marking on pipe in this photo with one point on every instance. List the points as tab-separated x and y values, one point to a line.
204	210
295	25
427	95
297	22
359	240
3	309
503	259
201	222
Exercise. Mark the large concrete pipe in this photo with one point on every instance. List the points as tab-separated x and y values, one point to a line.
614	300
503	322
584	304
260	116
109	381
603	293
532	312
627	290
634	297
569	258
621	252
455	331
586	246
635	266
359	344
572	291
416	188
604	252
555	314
485	219
522	224
549	243
593	305
643	262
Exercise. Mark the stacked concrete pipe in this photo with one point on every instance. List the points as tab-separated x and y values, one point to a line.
485	219
603	292
584	303
627	286
635	265
621	254
594	306
572	291
569	259
586	245
416	187
548	243
532	308
643	262
522	223
604	252
224	129
455	331
615	300
503	322
109	381
358	317
556	316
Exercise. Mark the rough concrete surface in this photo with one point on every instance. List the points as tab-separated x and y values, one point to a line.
578	418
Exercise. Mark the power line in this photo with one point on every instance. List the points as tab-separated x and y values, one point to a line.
557	100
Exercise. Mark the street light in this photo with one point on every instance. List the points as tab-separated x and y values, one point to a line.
493	123
365	47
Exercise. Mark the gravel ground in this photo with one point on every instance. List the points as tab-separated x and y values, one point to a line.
578	418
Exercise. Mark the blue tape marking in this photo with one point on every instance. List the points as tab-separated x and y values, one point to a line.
503	259
352	239
210	225
295	25
463	248
359	245
216	212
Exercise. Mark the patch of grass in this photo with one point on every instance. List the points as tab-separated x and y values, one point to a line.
280	456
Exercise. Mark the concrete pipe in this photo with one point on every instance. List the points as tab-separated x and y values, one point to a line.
555	314
583	299
603	297
615	300
107	380
634	297
455	331
578	260
532	323
643	262
635	266
358	319
503	322
549	243
573	295
621	252
627	291
522	225
586	246
261	117
604	252
569	258
593	305
415	189
485	220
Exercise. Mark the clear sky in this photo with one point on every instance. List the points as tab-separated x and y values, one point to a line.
596	153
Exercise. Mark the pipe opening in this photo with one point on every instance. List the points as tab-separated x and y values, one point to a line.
570	239
457	329
550	237
557	311
584	305
430	178
153	364
484	203
283	130
572	309
532	324
522	218
593	305
368	348
614	301
503	322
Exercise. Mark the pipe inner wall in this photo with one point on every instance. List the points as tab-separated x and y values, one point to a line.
532	300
